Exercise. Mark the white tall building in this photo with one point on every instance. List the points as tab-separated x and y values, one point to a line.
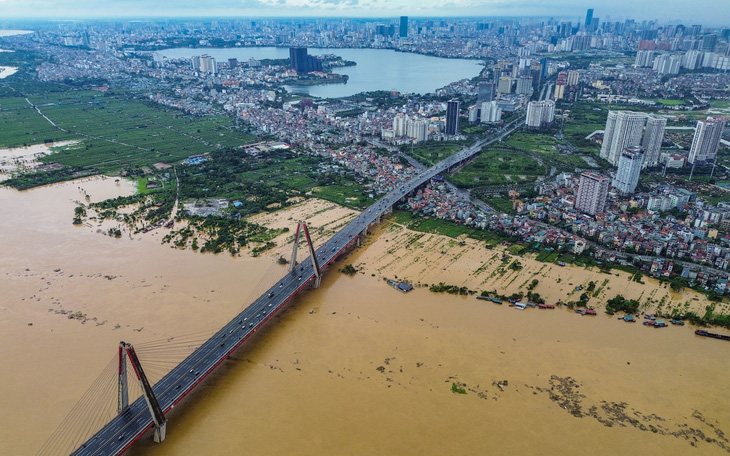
667	64
692	60
644	58
417	129
592	193
623	129
629	168
524	86
706	141
399	125
540	113
652	140
491	112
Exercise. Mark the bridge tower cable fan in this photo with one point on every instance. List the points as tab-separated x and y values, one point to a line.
158	416
302	227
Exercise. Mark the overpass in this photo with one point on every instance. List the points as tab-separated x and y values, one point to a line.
148	411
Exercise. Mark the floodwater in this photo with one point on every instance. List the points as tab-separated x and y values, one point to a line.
354	367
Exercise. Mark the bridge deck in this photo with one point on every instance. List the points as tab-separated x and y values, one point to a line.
123	430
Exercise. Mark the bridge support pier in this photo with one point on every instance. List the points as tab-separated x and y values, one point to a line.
158	417
123	391
302	227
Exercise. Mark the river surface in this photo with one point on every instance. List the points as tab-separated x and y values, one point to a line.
376	69
353	368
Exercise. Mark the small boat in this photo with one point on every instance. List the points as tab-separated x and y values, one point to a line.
648	317
629	318
519	305
590	312
546	306
648	323
676	322
660	324
531	304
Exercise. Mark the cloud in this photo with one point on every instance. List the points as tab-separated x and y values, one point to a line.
713	12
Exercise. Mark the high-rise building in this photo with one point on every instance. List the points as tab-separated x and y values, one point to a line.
524	86
540	113
452	117
303	62
485	92
592	193
399	125
589	17
623	129
403	27
573	78
706	141
629	168
204	64
491	112
652	140
644	58
667	64
505	85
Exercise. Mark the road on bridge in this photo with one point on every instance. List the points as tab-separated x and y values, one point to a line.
124	429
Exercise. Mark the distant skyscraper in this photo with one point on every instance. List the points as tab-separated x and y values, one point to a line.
505	85
452	117
404	26
540	113
623	129
592	193
303	62
706	141
589	17
485	92
491	112
652	140
629	168
524	86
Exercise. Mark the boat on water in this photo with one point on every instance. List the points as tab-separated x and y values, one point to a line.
589	312
628	318
520	305
702	332
660	324
648	323
676	322
546	306
491	299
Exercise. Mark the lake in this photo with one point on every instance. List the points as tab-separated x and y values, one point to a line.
376	69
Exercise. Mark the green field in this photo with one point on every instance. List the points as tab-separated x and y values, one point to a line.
433	225
491	167
532	142
431	153
115	132
670	102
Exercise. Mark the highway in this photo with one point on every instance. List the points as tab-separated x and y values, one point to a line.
123	430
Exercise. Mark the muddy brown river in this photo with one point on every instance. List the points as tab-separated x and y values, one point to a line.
354	367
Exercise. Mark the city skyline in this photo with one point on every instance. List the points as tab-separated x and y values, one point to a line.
706	12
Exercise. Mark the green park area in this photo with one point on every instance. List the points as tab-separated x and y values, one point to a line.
431	153
497	167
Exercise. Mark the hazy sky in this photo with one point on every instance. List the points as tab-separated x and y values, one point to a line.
710	12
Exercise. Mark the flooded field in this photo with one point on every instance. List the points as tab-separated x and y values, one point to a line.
354	367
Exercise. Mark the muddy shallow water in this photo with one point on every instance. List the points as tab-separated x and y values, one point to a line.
354	367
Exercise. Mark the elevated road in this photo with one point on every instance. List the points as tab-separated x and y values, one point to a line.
124	429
